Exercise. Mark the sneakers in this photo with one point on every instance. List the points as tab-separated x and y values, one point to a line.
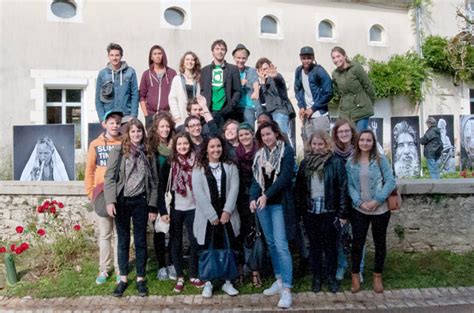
340	273
120	289
229	289
172	273
179	285
117	278
286	299
207	290
101	278
333	286
162	274
361	277
274	289
142	288
316	285
196	282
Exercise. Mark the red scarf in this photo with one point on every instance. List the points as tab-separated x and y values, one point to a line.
182	171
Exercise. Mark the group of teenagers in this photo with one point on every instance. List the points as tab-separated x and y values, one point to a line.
228	164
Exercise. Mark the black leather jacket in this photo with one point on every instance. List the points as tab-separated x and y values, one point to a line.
336	196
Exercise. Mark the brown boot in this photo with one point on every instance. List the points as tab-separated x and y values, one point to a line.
378	285
355	286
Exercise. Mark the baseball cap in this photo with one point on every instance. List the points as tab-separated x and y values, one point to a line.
306	50
109	113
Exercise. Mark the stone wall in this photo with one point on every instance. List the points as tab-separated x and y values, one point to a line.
435	215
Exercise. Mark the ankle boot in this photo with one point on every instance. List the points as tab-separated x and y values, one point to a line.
355	286
378	285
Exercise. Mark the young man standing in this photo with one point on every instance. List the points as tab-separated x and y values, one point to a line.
248	105
96	165
220	84
313	91
155	84
117	87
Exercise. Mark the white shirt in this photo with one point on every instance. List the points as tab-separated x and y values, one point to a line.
308	96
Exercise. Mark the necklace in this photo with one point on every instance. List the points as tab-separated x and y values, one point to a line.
215	169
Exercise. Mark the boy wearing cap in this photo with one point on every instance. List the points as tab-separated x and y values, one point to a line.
96	165
248	105
433	147
313	91
220	84
116	86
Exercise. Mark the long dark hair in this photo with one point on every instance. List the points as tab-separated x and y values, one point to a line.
174	153
197	65
127	143
374	154
154	138
203	160
274	127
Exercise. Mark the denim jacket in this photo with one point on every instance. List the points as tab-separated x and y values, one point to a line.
380	186
125	91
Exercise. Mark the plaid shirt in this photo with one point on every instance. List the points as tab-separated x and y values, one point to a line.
318	206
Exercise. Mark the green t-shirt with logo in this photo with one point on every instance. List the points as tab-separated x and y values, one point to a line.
218	91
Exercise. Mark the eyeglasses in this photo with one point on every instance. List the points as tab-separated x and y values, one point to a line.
344	131
194	125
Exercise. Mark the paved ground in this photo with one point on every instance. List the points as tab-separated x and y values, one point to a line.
432	300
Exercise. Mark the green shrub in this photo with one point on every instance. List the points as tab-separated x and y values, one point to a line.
435	54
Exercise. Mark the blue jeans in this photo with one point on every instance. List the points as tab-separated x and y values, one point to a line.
135	209
433	168
249	116
282	120
273	225
342	260
362	124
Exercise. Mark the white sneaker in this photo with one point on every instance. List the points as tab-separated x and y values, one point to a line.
286	300
162	274
229	289
172	273
274	289
361	277
207	290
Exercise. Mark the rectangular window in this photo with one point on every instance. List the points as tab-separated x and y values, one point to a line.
471	93
64	106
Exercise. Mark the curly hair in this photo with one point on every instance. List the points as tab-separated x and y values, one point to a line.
197	65
154	138
203	160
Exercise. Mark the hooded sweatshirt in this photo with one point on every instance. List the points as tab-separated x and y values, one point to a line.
97	157
125	91
154	89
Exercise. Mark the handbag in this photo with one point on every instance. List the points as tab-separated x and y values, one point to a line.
254	249
394	200
160	226
218	264
290	109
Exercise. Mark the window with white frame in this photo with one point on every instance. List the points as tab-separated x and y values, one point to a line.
376	34
175	16
69	11
325	30
269	25
64	106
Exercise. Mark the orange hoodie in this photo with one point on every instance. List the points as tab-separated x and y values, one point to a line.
97	157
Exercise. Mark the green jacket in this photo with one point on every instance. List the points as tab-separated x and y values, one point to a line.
354	91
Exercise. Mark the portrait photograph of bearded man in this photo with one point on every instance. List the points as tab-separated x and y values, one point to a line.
405	146
467	142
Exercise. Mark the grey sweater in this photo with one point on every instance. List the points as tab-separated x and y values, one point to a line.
204	209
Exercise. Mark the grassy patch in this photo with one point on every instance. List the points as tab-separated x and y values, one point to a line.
402	270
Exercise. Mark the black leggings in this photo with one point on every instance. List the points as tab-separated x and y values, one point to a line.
360	226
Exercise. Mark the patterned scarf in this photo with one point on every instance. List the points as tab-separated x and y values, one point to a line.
268	160
182	171
245	161
346	153
315	163
138	153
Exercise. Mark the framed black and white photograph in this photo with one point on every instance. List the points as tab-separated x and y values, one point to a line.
332	122
445	123
467	141
43	152
405	146
376	125
94	130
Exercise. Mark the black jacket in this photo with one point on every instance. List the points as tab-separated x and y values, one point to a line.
336	197
273	93
433	146
231	86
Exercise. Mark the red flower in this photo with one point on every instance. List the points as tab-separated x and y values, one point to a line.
24	246
77	227
13	247
463	174
41	232
60	205
40	209
54	202
52	209
18	250
3	250
46	204
19	229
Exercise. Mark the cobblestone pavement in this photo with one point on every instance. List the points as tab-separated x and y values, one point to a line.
454	300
